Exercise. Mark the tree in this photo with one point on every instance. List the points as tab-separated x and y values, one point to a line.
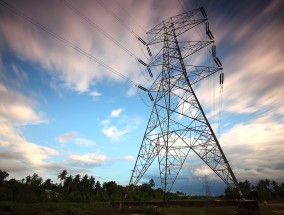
76	181
246	189
36	180
62	176
68	182
47	184
152	183
3	175
28	179
264	189
231	193
282	190
276	189
98	187
85	182
91	183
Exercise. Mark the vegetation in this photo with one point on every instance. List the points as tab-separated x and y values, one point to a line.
76	194
76	188
264	190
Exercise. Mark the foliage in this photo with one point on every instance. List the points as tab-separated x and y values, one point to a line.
85	189
263	190
75	188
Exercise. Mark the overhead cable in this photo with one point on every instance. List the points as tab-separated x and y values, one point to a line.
118	19
66	42
122	23
93	24
132	18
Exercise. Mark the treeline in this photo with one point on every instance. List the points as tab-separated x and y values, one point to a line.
263	190
76	188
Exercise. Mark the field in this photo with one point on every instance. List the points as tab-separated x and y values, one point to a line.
52	208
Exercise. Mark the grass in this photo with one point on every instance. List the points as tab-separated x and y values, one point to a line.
273	207
201	210
101	208
68	208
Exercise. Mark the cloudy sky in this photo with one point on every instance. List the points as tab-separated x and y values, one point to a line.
61	109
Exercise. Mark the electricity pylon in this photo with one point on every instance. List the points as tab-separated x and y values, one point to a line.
207	187
177	123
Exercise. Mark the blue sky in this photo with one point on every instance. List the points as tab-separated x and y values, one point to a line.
61	110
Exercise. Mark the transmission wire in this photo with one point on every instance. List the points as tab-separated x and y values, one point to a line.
66	3
117	18
143	100
89	21
128	14
220	108
65	41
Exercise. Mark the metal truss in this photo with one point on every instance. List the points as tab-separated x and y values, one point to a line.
177	123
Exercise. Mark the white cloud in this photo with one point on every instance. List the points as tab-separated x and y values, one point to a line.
73	137
84	142
116	112
253	66
105	122
117	126
203	170
67	137
255	148
89	158
17	153
75	71
18	108
129	158
114	133
19	149
94	93
20	75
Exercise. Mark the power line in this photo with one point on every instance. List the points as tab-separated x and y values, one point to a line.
125	11
90	22
126	26
94	25
117	18
65	41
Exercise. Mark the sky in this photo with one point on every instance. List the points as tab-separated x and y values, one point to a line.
61	109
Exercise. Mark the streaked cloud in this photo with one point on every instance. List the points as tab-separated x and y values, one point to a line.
255	148
67	137
89	158
18	108
75	71
73	137
21	154
84	142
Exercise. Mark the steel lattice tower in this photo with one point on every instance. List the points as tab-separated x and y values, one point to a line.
177	123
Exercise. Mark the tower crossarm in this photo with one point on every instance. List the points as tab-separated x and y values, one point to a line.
194	74
187	48
182	23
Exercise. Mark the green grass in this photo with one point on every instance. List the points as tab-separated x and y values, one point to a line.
101	208
201	210
67	208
